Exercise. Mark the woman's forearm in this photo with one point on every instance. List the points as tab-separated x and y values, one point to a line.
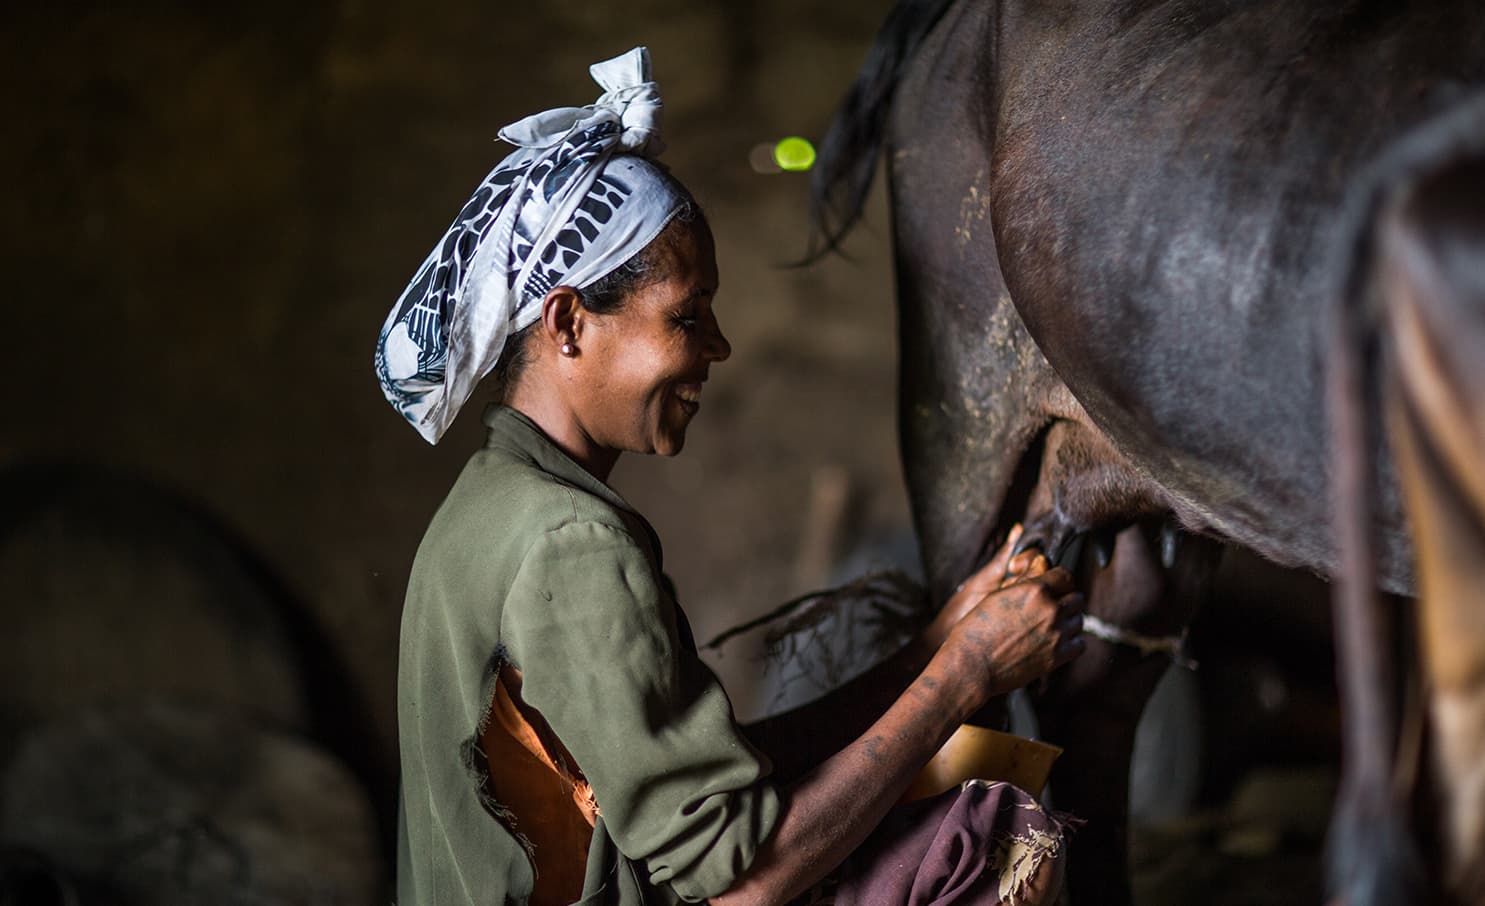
828	812
802	738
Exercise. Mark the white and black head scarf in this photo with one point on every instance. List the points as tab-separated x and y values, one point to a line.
576	200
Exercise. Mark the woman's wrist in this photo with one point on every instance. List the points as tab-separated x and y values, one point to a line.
959	678
934	635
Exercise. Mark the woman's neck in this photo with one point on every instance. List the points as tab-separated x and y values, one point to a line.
557	422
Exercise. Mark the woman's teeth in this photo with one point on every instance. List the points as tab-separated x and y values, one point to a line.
691	393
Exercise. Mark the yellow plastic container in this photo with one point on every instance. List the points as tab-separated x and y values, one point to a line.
976	752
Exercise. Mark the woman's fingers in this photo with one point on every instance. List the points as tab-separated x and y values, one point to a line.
989	577
1001	561
1057	581
1070	642
1069	648
1028	564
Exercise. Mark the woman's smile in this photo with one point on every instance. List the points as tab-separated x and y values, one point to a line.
689	396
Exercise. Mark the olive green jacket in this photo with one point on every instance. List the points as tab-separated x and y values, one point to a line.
533	562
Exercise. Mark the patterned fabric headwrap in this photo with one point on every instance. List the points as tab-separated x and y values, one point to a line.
576	200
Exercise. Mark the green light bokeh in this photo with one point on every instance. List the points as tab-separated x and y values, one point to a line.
794	153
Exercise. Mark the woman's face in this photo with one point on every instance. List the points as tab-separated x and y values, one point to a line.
644	365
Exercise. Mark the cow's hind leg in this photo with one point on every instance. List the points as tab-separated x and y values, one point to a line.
1432	271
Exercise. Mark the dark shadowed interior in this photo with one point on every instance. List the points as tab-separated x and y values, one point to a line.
206	503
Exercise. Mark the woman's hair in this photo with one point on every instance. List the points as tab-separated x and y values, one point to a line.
609	293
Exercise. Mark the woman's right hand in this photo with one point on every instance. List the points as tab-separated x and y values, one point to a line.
1014	621
1022	632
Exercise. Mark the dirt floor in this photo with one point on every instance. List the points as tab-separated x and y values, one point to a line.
1262	848
213	207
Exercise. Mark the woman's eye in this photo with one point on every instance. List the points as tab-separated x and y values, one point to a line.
686	324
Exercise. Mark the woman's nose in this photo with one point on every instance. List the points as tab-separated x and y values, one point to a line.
717	347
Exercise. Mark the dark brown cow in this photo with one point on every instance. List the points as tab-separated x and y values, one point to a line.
1116	224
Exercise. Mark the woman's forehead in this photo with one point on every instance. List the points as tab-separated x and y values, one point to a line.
691	257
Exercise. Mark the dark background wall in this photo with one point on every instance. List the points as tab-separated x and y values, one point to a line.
211	208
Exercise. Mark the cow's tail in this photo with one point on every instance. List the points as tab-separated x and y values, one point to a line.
843	171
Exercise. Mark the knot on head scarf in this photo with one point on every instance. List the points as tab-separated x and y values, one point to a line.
578	198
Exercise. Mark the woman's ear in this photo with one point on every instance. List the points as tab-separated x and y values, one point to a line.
562	316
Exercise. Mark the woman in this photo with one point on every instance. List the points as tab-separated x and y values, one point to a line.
561	741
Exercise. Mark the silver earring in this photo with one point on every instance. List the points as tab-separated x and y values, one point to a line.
569	350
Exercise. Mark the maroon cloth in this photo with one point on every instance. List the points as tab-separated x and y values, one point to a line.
976	844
